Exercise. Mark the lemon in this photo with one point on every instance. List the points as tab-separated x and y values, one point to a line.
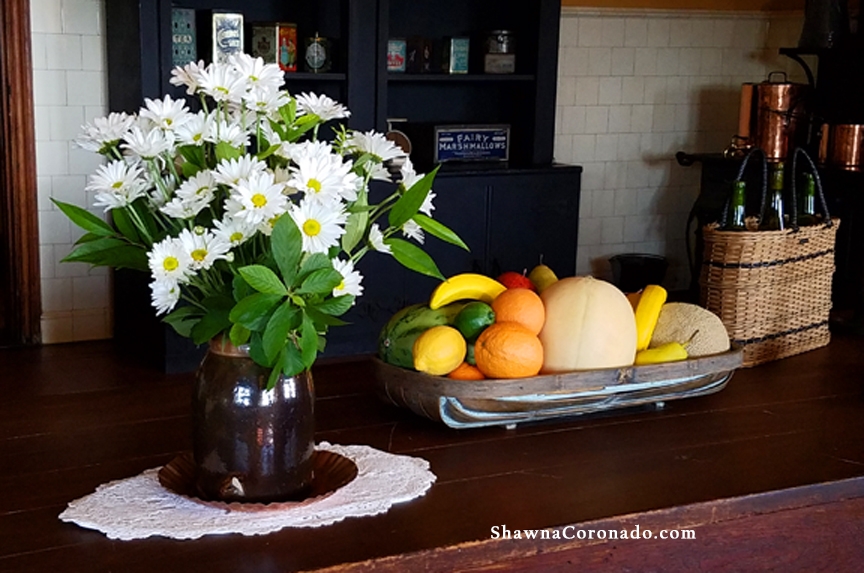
439	350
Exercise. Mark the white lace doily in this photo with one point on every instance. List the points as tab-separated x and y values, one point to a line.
139	507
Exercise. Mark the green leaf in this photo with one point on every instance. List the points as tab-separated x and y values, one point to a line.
308	342
183	319
288	112
322	281
268	152
411	201
225	150
215	321
287	246
239	334
240	288
323	320
109	252
189	170
87	237
292	362
253	312
278	327
439	230
276	372
256	351
313	263
355	228
336	306
263	279
413	257
85	219
124	224
194	155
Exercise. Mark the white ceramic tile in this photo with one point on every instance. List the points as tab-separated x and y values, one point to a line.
91	325
681	33
69	189
587	91
689	61
566	92
51	158
703	32
590	32
49	87
623	61
37	51
90	292
724	33
613	30
54	227
66	122
641	228
93	53
629	146
573	120
625	202
615	175
597	119
711	61
42	122
85	88
664	118
593	174
57	329
584	148
81	161
563	149
610	90
56	294
569	31
589	231
677	90
607	148
599	61
612	230
68	270
63	52
632	90
641	118
46	261
651	144
45	16
619	119
43	193
636	32
645	62
603	203
658	32
574	62
82	17
585	199
667	61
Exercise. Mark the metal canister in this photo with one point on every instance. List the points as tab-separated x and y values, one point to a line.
781	116
846	150
500	42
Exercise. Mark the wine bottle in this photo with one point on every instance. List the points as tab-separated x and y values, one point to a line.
735	217
773	220
808	215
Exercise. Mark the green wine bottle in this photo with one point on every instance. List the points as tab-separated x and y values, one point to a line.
773	219
808	216
735	217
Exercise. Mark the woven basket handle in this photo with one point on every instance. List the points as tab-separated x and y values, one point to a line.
794	216
763	201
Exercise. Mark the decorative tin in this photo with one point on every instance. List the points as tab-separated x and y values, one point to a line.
455	55
265	38
183	38
227	33
397	50
419	56
500	56
499	42
471	143
317	54
288	47
499	63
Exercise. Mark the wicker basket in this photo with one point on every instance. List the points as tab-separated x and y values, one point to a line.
771	289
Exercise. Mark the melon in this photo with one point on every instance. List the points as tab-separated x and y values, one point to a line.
589	324
698	329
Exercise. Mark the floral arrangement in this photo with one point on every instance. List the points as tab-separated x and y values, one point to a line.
247	222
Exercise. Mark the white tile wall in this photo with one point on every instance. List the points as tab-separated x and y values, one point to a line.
69	89
633	89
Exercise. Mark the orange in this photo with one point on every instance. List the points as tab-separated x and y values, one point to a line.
508	350
466	372
521	306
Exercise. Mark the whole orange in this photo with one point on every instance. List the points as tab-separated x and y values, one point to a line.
466	372
508	350
521	306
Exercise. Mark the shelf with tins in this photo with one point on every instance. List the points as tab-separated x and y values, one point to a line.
459	78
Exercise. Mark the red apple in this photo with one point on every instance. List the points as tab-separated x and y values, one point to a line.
512	279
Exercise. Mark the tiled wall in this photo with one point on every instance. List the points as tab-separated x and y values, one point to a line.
69	89
635	87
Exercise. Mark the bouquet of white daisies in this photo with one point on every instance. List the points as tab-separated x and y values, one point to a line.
248	223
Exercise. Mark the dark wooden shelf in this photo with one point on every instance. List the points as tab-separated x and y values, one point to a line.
307	76
397	77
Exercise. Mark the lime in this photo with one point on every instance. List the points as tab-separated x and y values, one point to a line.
469	355
473	319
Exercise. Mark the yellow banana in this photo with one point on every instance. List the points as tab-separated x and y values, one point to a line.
669	352
465	286
647	312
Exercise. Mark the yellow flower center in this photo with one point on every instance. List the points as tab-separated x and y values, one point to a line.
236	237
199	254
315	185
168	121
117	184
341	285
259	200
201	190
311	227
170	264
197	137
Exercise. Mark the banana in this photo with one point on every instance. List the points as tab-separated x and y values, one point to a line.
647	311
466	286
669	352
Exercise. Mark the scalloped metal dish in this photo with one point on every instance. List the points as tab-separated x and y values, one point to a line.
473	404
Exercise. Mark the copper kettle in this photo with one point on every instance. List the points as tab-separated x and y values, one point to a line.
781	120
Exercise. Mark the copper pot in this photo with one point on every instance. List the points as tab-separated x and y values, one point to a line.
781	116
846	148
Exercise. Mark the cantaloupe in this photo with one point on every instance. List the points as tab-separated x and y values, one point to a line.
589	324
700	330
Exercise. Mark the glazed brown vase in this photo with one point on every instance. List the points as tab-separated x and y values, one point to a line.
250	444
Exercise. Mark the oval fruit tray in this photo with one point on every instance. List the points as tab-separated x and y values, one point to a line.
472	404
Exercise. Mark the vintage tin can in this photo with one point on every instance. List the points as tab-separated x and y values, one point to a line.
317	55
472	143
419	56
500	42
455	55
265	38
397	50
287	47
227	35
183	38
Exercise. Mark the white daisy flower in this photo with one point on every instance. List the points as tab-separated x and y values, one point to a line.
231	171
104	132
166	113
188	75
324	177
169	260
409	175
258	75
149	144
234	230
265	102
257	199
231	133
222	82
427	207
116	185
375	144
320	225
322	106
413	231
201	186
204	247
376	239
180	208
351	279
164	294
195	131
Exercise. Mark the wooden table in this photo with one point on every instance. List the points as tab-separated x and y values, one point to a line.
768	473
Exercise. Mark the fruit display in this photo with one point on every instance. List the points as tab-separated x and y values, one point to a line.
475	328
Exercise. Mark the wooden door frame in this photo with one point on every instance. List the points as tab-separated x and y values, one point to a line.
19	225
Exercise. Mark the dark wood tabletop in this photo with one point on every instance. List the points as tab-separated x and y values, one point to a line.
764	469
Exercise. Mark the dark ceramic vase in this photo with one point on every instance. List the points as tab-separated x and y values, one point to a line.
250	444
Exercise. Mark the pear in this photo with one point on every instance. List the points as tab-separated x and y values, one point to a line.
542	277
